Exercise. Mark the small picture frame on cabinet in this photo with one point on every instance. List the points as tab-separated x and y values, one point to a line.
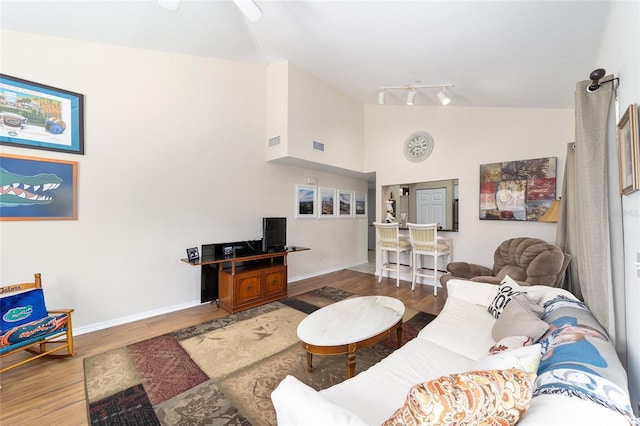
192	254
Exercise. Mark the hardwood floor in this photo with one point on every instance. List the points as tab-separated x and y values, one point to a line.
51	392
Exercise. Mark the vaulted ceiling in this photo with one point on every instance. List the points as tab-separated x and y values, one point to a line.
495	53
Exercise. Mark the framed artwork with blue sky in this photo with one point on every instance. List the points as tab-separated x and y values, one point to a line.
38	116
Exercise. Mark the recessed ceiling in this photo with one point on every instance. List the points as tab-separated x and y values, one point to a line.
496	53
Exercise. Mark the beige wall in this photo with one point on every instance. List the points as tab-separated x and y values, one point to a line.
175	158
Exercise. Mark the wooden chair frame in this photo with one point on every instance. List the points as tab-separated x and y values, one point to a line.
59	340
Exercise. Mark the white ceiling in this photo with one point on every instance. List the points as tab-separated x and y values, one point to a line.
496	53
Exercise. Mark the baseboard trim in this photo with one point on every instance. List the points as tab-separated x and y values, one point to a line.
77	331
317	274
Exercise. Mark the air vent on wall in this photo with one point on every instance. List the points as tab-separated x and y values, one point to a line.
274	141
318	146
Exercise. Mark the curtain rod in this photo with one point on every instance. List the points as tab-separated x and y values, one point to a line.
595	77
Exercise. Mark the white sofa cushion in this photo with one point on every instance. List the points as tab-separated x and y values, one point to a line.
471	291
540	294
375	394
462	327
317	409
483	293
561	410
526	358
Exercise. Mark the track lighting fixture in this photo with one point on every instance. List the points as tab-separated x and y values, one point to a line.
412	90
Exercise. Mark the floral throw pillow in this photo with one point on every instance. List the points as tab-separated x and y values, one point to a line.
506	291
491	397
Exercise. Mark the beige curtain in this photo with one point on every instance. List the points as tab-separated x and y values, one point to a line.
583	227
566	235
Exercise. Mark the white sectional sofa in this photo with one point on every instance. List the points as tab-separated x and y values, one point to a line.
455	342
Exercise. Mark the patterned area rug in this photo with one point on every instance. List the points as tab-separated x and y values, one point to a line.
221	372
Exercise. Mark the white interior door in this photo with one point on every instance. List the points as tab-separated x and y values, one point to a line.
431	206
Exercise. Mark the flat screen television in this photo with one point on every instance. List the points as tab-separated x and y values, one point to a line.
274	234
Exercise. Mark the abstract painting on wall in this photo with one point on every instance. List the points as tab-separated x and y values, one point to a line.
517	190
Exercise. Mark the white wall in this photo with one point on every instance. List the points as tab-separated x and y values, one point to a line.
619	54
464	139
175	158
277	109
313	112
318	112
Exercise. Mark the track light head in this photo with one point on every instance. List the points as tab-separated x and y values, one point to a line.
442	96
411	96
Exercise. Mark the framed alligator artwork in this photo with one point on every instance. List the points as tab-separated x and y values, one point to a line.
34	188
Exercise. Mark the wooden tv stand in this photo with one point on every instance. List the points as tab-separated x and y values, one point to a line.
248	279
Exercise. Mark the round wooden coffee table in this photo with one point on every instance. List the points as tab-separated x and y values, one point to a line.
346	326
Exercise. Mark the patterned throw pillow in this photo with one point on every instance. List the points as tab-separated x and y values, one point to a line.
506	291
494	397
21	308
31	330
521	317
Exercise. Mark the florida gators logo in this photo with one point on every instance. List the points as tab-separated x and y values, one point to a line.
17	314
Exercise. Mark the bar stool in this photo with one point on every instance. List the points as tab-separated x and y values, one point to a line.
424	242
388	239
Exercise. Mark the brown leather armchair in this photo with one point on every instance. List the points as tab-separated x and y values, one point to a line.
530	261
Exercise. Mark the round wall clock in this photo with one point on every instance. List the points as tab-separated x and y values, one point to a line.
418	146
